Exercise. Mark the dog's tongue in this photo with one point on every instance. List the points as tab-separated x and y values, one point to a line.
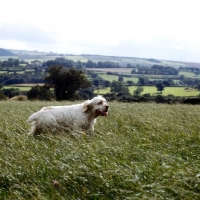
105	114
102	113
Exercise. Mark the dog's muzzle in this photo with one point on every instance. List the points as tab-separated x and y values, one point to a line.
103	113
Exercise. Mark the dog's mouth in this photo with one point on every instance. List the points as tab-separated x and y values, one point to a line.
102	113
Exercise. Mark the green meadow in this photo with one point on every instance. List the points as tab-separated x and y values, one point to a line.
115	78
176	91
139	151
187	74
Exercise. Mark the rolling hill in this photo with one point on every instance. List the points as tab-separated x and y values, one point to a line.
4	52
122	61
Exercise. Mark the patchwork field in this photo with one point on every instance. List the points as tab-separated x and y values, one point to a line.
176	91
140	151
122	61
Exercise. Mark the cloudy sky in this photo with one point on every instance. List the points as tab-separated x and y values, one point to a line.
162	29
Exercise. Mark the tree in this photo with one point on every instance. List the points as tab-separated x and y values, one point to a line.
198	86
96	82
118	86
94	75
160	87
107	83
40	92
90	64
138	91
143	80
86	93
130	83
65	82
166	83
120	78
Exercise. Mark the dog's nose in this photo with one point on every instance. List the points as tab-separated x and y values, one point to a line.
107	106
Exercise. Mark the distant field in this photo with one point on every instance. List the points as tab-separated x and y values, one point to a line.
114	77
22	87
176	91
77	58
189	74
2	58
118	70
122	61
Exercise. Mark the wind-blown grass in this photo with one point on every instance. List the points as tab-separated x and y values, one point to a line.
140	151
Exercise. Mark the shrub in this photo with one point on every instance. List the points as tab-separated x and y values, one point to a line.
40	93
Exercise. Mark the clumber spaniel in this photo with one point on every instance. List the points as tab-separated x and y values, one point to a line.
77	116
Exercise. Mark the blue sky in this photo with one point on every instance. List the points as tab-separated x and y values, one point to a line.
162	29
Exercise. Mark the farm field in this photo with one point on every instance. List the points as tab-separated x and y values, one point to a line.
176	91
2	58
77	58
115	78
140	151
189	74
117	70
122	61
22	87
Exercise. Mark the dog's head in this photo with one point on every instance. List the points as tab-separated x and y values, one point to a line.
98	105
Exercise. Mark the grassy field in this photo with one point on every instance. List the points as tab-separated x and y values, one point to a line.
117	70
22	87
176	91
140	151
115	78
122	61
2	58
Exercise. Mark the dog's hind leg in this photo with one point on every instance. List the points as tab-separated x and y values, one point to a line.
33	129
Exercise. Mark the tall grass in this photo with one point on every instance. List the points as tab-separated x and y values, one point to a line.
140	151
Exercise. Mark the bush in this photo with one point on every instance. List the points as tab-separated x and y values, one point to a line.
2	96
40	93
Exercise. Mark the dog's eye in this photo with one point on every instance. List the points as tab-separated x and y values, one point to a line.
100	103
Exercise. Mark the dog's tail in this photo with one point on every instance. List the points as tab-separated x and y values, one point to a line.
32	118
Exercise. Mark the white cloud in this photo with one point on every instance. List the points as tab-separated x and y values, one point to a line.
166	29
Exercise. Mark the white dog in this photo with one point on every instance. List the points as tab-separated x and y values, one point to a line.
77	116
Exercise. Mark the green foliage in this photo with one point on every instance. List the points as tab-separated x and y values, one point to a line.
120	78
11	63
117	87
61	61
156	69
2	96
140	151
65	82
143	81
160	87
40	93
90	64
138	91
86	93
11	92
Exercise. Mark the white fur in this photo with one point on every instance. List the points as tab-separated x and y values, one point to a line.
77	116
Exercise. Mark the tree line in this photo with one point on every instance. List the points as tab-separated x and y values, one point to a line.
71	80
156	70
11	62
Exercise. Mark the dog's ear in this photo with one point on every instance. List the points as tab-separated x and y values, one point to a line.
87	106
